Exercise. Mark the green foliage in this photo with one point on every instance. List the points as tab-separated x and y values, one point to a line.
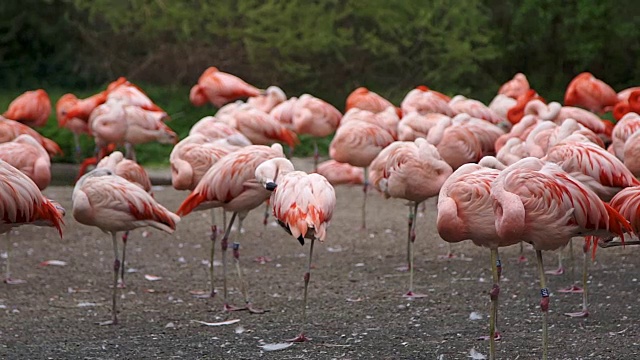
323	47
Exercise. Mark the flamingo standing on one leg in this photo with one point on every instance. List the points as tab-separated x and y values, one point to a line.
539	203
231	184
303	205
593	94
465	212
22	203
11	129
135	173
597	169
112	204
413	171
358	143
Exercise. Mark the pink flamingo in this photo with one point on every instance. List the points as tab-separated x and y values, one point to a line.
27	155
283	112
23	204
271	98
220	88
386	119
474	108
598	170
413	171
515	87
259	127
627	202
501	104
112	203
593	94
423	100
465	212
130	94
303	204
136	174
231	184
624	128
357	143
31	108
315	117
457	145
10	129
539	203
365	99
414	125
338	173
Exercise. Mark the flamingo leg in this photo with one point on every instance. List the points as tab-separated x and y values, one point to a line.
78	149
544	305
560	269
316	155
125	237
7	279
264	259
307	276
585	266
130	152
410	294
114	294
243	285
494	334
224	244
365	190
522	258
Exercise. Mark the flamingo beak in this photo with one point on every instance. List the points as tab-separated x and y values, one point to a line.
271	186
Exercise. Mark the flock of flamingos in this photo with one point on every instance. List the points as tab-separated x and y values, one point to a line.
518	170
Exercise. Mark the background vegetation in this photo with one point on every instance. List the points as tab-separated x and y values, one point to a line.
323	47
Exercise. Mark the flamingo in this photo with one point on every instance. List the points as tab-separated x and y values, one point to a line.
303	204
515	87
315	117
136	174
627	203
231	184
423	100
474	108
465	212
365	99
501	104
627	126
76	125
220	88
457	145
413	171
598	170
128	93
283	112
338	173
516	112
539	203
190	159
22	203
31	108
387	119
10	129
258	126
357	143
631	154
270	99
112	204
593	94
27	155
414	125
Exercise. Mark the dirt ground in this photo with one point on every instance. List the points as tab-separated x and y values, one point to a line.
355	310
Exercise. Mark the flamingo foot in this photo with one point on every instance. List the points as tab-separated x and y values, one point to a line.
108	322
580	314
403	268
121	284
262	260
201	294
253	310
412	295
496	336
10	281
573	289
228	307
448	256
556	272
522	259
298	339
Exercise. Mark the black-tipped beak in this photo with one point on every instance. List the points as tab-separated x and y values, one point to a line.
271	186
301	240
